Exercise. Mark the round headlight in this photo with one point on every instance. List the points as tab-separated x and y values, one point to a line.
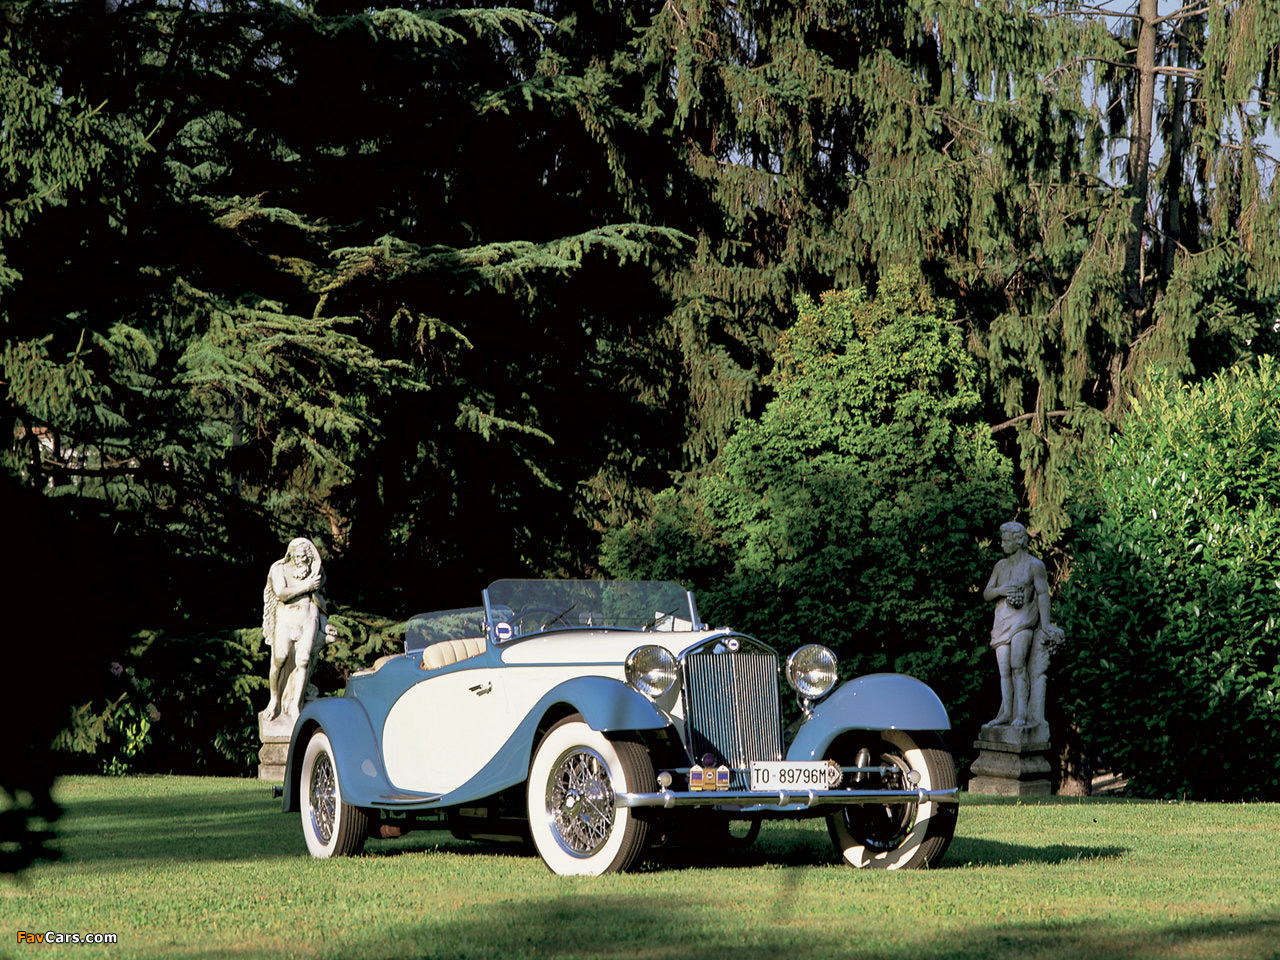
651	670
811	670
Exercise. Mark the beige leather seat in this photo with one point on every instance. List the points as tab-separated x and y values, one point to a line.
447	652
377	665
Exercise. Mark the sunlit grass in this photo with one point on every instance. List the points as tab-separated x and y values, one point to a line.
193	867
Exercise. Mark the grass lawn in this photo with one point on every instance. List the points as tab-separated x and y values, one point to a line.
201	867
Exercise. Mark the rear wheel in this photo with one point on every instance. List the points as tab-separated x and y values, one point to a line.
575	775
900	835
332	827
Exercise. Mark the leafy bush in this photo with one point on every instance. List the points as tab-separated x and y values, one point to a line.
182	704
1173	601
858	510
190	704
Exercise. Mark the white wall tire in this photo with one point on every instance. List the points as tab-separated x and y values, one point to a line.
575	774
899	836
331	827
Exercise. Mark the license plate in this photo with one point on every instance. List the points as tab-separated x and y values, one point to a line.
795	775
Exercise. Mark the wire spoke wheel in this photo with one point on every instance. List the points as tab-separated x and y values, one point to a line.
580	802
884	828
331	826
574	780
323	790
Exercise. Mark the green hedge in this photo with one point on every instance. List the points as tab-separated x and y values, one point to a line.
1173	599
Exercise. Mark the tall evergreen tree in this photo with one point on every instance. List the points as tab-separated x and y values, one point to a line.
337	269
266	268
1012	152
1085	233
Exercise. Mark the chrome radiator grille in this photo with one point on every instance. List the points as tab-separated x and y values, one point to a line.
731	706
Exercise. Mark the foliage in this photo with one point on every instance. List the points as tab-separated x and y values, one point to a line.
857	509
1172	609
452	289
1152	239
262	316
190	703
360	639
175	703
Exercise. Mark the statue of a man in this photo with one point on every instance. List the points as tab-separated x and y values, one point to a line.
1022	635
293	626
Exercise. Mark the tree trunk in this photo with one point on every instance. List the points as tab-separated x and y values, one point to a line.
1141	131
1173	178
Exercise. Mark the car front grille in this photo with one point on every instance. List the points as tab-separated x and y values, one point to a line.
731	705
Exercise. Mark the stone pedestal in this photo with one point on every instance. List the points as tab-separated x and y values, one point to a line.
1012	761
274	752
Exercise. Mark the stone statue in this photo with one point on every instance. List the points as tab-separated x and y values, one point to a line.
1023	635
294	626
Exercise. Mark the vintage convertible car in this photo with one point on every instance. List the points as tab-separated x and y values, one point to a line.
593	716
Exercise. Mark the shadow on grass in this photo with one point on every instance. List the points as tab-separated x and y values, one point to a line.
218	825
599	924
187	825
993	853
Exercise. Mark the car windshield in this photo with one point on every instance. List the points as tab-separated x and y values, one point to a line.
523	607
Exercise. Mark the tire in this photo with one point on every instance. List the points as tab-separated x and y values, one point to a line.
575	774
331	827
897	836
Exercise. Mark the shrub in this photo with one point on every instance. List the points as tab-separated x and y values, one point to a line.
1173	600
859	508
190	704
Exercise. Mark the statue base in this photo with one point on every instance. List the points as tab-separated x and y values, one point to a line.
275	735
1012	761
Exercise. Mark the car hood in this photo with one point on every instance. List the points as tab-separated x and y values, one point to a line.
597	646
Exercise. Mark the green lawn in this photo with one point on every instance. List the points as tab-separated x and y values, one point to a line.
195	867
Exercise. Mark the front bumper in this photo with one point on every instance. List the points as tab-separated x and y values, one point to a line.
781	798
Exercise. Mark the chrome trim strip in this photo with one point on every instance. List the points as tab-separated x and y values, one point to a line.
782	798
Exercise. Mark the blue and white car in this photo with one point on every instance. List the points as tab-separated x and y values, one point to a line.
592	717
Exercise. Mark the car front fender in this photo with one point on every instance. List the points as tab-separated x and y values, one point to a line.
877	701
355	751
607	705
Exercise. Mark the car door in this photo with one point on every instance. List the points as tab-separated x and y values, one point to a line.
443	731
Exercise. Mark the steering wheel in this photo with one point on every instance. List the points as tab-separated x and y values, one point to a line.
551	613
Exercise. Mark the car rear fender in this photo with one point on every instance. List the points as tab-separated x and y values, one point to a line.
877	701
355	751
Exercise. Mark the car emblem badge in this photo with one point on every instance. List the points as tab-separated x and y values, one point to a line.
503	632
733	643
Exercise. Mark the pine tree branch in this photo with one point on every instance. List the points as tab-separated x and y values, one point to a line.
1088	10
1183	13
1079	60
1027	416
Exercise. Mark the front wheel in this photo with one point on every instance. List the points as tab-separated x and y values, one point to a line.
332	827
575	775
900	835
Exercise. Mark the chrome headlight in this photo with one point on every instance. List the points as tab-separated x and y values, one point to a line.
651	670
811	670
